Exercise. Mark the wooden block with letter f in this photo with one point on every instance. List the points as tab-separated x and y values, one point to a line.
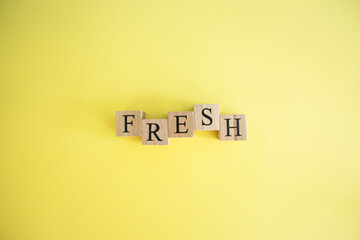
154	132
232	127
128	123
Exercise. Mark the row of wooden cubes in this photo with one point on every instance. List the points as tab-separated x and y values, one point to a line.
205	117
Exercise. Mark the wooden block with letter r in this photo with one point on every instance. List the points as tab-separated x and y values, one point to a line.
154	132
181	124
232	127
207	116
128	123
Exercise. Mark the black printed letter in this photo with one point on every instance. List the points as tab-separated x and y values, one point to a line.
178	124
228	127
207	116
126	122
154	132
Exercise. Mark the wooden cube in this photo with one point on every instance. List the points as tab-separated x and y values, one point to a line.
232	127
128	123
207	116
154	132
181	124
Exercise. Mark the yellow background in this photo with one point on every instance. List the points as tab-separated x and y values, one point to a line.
292	66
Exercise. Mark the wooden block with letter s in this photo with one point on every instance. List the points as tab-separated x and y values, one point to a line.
207	116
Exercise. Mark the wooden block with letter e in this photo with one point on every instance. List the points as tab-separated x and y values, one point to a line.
181	124
232	127
207	116
154	132
128	123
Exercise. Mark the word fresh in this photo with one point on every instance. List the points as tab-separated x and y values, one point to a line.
205	117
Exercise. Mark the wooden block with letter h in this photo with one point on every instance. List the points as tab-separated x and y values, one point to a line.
128	123
232	127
